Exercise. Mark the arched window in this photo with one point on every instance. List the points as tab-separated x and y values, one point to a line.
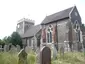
76	26
49	34
77	30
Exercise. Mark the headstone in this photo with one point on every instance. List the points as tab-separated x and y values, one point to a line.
6	48
1	48
18	48
62	51
27	49
54	52
22	57
45	55
13	49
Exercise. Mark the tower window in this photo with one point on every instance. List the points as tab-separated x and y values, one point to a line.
18	26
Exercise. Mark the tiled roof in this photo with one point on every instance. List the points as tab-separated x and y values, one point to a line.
57	16
32	31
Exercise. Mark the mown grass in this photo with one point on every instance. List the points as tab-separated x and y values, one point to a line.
68	58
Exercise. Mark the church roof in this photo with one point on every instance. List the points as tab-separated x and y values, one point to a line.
57	16
31	31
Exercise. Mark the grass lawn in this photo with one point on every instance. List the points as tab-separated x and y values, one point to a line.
68	58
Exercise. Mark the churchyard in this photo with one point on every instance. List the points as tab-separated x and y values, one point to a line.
17	56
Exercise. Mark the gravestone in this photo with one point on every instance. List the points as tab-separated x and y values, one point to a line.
1	48
45	55
18	48
22	57
6	48
27	49
13	49
62	51
54	52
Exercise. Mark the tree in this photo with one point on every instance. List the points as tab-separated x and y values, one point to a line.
7	40
1	42
16	39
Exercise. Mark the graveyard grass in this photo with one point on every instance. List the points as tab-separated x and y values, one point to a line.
68	58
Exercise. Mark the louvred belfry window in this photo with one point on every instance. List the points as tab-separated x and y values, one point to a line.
44	35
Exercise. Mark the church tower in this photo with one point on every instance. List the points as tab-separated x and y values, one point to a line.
23	25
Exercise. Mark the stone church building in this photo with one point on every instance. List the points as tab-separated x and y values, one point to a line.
61	29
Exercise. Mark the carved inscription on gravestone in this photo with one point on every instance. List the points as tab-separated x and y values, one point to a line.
45	55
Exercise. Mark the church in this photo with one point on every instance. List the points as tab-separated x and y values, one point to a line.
59	30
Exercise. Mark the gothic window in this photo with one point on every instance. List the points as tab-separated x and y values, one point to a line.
76	25
49	34
77	30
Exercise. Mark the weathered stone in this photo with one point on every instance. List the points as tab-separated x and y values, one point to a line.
13	49
6	48
54	52
18	48
22	57
62	51
45	55
0	46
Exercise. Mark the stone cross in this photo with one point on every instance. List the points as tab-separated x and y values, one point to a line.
45	55
22	57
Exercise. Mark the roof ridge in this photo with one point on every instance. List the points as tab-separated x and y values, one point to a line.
60	11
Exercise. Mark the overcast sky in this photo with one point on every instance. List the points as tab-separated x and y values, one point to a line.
13	10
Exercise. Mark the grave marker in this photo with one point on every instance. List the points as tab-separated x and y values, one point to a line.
54	52
6	48
13	49
22	57
45	55
62	51
18	48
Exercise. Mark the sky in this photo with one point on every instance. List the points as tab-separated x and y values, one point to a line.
13	10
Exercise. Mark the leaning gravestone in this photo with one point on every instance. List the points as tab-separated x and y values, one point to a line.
45	55
22	57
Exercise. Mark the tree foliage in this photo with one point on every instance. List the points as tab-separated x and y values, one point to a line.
1	42
15	39
7	40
